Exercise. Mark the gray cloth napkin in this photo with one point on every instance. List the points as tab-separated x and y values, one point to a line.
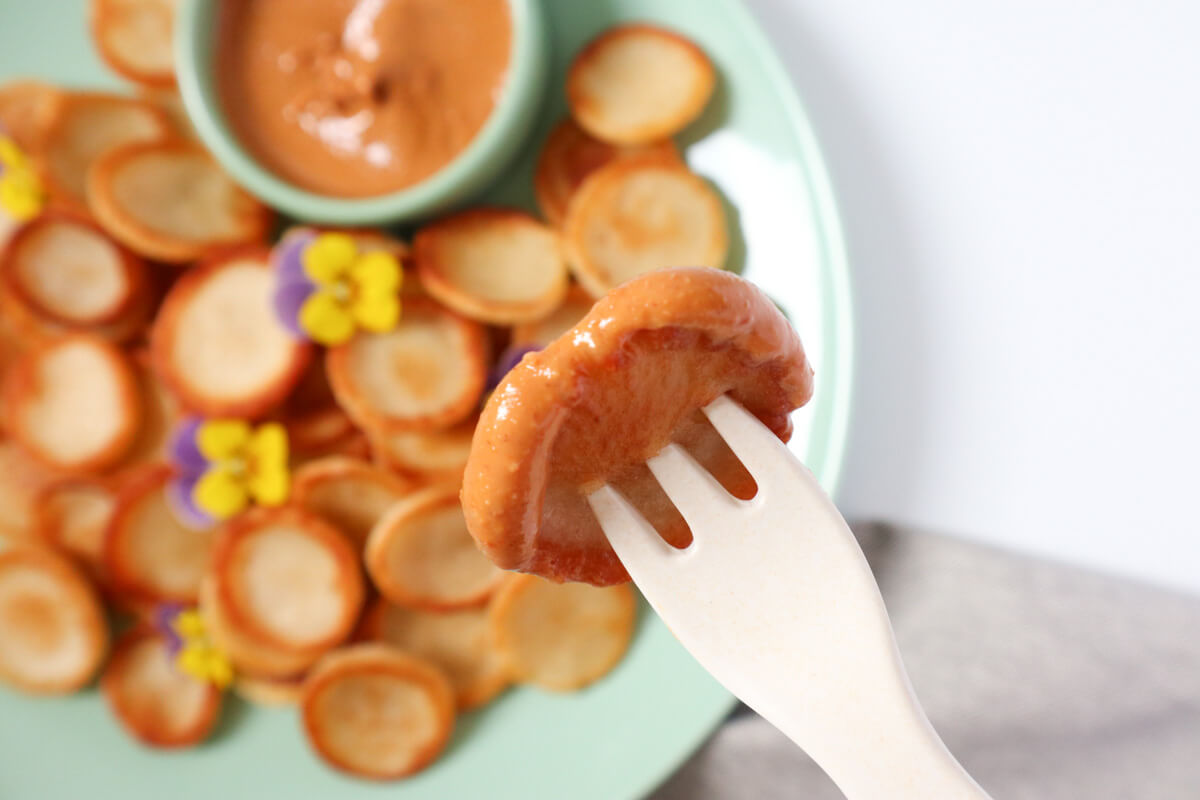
1047	682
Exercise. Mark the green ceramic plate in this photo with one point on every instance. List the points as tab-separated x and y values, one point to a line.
621	737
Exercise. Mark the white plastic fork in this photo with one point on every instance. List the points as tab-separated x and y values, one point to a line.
775	599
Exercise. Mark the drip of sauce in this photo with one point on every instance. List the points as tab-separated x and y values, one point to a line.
357	98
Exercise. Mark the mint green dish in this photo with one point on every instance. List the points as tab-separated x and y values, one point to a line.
620	738
496	145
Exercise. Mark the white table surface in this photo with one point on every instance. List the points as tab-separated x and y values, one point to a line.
1020	185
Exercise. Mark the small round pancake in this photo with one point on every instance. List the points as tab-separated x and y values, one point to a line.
149	555
288	578
249	653
170	201
217	343
495	265
154	701
347	493
270	692
134	38
170	104
85	126
34	327
641	214
160	414
65	268
53	635
373	711
427	456
420	555
637	84
27	107
74	515
570	155
457	642
542	332
561	636
426	374
22	481
73	403
568	419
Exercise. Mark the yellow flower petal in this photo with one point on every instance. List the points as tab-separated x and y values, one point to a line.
21	194
220	671
270	487
329	256
192	662
268	446
11	155
376	271
376	311
189	625
325	320
220	493
221	439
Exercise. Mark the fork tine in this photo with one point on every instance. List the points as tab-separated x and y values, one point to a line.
753	443
697	495
634	539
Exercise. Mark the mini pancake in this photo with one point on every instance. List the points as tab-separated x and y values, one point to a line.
35	327
637	84
315	432
170	104
457	642
27	107
542	332
568	419
270	692
73	403
85	126
421	555
170	201
642	214
426	374
66	269
149	555
491	264
288	579
160	414
428	456
347	493
570	155
561	636
53	635
134	38
22	481
155	702
217	343
74	515
250	654
373	711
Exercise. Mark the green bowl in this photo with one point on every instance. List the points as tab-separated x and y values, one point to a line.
496	145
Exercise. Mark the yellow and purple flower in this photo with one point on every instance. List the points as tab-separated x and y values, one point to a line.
225	465
327	288
21	193
190	646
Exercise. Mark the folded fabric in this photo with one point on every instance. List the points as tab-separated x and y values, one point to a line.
1045	681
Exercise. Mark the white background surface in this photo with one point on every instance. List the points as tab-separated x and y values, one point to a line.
1020	186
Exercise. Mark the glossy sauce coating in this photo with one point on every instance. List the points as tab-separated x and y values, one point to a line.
608	394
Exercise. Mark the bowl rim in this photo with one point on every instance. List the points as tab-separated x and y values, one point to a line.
195	25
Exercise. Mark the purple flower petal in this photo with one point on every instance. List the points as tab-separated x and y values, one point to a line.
508	359
179	494
164	623
184	453
288	300
288	256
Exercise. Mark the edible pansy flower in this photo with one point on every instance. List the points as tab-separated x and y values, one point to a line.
511	356
327	288
224	465
21	193
191	648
